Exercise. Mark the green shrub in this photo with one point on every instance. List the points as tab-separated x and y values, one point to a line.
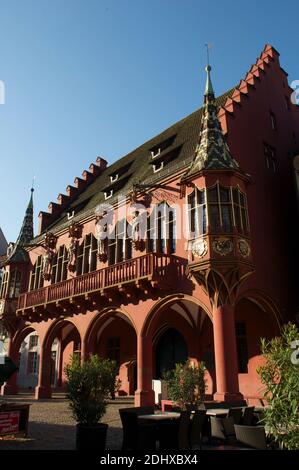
280	377
88	388
186	384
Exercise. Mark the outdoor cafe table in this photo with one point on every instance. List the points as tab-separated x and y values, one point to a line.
158	417
218	412
159	420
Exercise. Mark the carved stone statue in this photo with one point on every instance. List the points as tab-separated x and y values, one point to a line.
137	241
101	235
50	247
72	254
75	233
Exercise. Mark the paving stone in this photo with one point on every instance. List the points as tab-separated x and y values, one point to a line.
52	427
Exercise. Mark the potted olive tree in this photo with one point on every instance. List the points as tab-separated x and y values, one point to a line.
186	384
88	387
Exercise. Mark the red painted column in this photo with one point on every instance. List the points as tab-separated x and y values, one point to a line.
144	394
43	388
226	359
11	387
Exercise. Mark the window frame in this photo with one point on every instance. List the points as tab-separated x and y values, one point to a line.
59	266
194	213
32	363
4	284
162	226
87	255
36	276
120	246
220	204
14	284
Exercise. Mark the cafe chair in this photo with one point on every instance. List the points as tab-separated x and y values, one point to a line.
251	436
248	416
137	435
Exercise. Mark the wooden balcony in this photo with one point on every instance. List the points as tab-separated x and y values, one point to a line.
151	268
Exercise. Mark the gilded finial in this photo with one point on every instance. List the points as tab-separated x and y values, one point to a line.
209	87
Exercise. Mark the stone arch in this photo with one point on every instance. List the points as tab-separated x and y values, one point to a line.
103	316
112	334
68	335
19	337
193	320
11	386
166	302
256	316
264	301
54	328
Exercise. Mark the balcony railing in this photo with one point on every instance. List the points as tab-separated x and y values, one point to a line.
152	266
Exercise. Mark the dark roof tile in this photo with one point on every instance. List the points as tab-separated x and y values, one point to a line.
182	135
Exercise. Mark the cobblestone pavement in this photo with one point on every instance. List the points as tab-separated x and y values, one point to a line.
51	426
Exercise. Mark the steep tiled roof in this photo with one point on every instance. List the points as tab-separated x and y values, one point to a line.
182	139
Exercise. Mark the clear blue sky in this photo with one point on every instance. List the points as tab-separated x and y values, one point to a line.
99	77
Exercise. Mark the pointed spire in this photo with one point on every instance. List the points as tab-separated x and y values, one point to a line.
212	152
26	232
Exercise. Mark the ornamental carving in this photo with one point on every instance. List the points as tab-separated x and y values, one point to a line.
75	233
133	195
2	307
137	241
244	248
199	248
101	235
163	195
223	246
50	247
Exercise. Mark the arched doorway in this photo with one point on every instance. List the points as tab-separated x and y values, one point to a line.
171	349
60	343
112	335
24	351
65	343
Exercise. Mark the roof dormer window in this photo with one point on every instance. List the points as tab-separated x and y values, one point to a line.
108	194
155	153
158	167
113	177
70	215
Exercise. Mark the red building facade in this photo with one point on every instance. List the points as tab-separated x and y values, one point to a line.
181	249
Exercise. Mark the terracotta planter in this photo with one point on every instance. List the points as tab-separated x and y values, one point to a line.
91	437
